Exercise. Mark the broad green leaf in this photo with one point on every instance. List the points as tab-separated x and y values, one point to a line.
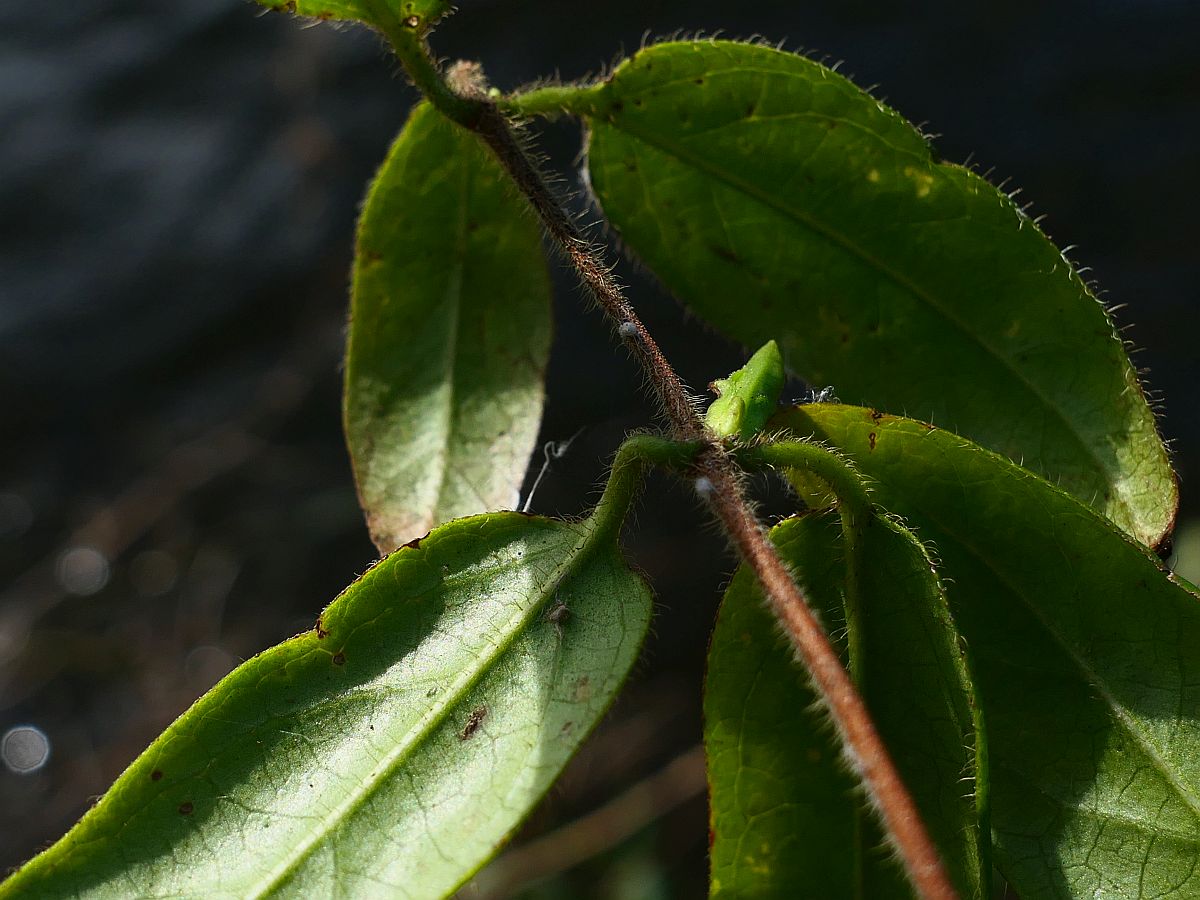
782	805
418	13
905	653
784	817
748	397
389	751
1086	656
779	201
449	335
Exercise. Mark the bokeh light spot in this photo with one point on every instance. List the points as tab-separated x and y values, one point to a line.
24	749
82	571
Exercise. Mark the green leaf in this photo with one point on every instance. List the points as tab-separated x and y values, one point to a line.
415	14
781	802
779	201
449	335
748	397
390	750
1086	656
783	819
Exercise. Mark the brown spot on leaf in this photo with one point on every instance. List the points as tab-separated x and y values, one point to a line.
339	658
320	629
876	415
474	720
156	775
186	807
725	253
871	440
583	689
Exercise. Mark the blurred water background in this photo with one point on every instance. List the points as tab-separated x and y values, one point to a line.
178	187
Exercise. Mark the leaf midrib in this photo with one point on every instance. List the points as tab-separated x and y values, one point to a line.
440	709
687	157
454	297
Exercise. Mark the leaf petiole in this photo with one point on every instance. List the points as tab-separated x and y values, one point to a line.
628	467
550	101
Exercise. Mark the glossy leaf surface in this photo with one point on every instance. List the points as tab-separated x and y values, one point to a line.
387	752
1086	655
449	335
785	819
777	200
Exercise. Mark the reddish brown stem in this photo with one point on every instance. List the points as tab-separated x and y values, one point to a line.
566	236
717	477
867	753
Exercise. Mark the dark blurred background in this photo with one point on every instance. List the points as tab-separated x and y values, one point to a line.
178	188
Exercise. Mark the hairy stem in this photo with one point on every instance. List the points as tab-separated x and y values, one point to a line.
859	736
566	236
549	101
634	455
469	105
854	509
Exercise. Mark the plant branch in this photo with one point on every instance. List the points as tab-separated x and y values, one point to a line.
861	740
595	274
468	104
854	508
407	38
718	483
